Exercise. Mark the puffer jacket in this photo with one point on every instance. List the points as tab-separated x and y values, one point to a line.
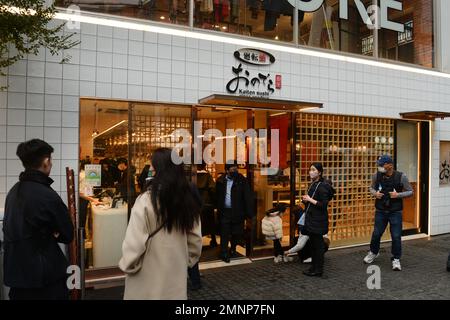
272	227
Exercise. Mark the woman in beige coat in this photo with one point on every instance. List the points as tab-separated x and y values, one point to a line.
156	267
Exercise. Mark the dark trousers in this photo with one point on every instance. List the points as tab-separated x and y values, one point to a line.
317	251
306	252
229	231
277	248
194	275
395	221
209	224
56	291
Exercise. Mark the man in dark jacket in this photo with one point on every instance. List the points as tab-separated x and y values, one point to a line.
36	219
389	187
234	204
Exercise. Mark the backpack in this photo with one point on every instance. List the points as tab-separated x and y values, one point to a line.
329	184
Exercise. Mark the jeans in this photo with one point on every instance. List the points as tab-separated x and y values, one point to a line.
395	221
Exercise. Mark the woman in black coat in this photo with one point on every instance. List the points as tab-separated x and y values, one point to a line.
320	192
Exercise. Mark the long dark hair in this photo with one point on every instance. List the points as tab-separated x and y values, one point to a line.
172	195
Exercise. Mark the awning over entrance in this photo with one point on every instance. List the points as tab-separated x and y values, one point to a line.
246	102
425	115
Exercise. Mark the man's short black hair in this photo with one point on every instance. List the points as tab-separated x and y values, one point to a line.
230	164
33	152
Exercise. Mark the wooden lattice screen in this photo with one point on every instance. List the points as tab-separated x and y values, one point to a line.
348	148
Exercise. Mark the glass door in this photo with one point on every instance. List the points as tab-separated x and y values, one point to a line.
271	182
407	155
270	187
224	121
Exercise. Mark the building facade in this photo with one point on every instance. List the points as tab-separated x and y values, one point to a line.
144	68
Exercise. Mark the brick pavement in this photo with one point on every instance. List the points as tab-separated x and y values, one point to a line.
424	276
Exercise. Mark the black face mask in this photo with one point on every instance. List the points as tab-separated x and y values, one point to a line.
233	175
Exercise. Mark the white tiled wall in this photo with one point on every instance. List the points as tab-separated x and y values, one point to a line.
43	96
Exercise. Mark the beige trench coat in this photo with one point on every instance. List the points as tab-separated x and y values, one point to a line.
162	273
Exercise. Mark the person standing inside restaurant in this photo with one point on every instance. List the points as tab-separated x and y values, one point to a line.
36	220
234	204
320	192
207	189
389	187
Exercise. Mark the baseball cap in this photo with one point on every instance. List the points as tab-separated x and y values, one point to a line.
384	159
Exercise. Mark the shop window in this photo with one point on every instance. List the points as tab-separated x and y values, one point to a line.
275	20
116	140
415	45
325	29
408	163
169	11
262	19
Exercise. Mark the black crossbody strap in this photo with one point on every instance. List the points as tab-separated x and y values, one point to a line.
155	232
314	193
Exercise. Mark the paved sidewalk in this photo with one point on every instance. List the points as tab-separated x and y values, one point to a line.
424	277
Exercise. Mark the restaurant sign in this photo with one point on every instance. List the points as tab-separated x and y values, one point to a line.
259	84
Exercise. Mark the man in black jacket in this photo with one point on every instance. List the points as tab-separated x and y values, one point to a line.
234	204
36	219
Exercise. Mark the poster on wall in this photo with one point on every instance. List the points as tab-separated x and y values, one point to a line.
444	167
93	176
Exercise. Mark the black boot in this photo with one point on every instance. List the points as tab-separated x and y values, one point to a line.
213	243
225	257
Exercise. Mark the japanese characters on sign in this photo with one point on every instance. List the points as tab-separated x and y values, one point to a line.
254	56
444	169
260	84
233	85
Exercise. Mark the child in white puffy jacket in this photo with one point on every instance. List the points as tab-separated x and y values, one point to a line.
302	239
272	228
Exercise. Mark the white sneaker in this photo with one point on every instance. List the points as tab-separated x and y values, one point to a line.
370	257
278	259
288	259
309	260
396	266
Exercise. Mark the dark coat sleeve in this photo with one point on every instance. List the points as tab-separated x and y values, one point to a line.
60	217
212	189
248	195
322	198
220	194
